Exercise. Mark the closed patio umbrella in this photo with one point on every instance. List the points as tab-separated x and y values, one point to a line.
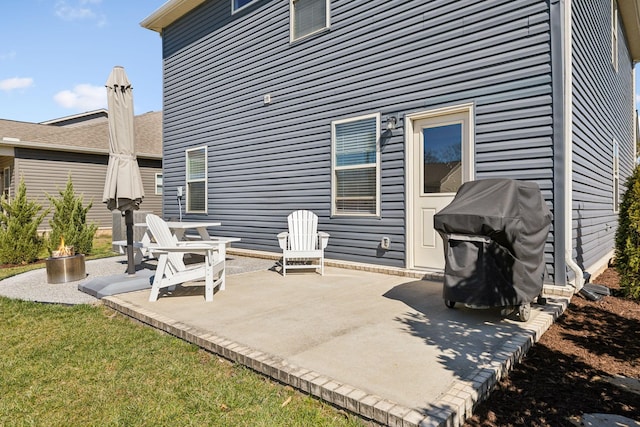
123	185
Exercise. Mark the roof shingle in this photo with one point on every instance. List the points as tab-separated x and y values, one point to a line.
148	135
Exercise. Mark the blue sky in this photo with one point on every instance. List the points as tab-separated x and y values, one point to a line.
56	55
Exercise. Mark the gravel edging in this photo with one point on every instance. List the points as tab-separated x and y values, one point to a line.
33	286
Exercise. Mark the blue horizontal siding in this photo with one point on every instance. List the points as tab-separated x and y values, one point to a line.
602	111
378	57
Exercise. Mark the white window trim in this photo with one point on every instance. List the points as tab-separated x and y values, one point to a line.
615	191
155	183
327	22
205	179
614	34
234	10
6	184
333	167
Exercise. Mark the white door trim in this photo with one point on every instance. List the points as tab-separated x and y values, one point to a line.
469	164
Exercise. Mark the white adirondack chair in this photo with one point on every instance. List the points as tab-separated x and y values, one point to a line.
171	268
303	242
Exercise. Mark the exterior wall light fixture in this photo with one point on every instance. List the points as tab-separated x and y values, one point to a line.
391	122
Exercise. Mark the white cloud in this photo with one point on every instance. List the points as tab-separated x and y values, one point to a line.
83	97
72	13
16	83
7	56
79	10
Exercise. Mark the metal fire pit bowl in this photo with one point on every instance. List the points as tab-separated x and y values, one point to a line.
65	268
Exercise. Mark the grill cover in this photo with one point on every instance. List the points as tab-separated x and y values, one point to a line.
494	232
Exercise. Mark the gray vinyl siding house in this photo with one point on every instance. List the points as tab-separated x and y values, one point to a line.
44	155
266	109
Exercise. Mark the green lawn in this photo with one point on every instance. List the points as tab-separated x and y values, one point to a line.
87	365
90	366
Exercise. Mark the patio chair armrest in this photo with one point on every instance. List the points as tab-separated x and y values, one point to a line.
184	249
188	244
282	239
324	239
192	247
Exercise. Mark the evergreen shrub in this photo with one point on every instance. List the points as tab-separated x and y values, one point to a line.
627	255
69	222
20	219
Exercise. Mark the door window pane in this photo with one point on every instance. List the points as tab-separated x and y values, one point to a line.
442	158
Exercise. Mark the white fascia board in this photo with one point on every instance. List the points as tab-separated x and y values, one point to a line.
168	13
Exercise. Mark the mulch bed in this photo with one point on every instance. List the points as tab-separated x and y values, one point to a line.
563	376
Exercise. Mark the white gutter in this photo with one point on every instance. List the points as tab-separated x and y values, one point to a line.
568	149
168	13
637	119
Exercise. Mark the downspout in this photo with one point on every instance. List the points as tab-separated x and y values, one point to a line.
568	147
636	118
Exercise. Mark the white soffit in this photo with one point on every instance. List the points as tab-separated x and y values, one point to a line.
168	13
630	14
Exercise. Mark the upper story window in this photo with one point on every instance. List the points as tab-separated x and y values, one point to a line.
236	5
614	34
308	17
356	166
197	180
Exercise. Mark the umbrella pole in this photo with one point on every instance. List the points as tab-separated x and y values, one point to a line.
128	220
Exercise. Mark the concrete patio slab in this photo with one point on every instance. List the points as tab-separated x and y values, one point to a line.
382	346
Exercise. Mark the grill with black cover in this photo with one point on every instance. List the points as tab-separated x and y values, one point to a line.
494	232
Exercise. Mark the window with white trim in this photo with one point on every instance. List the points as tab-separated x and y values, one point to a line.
196	169
614	34
616	176
308	17
236	5
158	184
355	165
7	182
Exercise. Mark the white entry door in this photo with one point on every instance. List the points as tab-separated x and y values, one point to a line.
441	156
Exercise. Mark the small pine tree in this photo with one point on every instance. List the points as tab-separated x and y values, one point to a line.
70	222
627	258
20	242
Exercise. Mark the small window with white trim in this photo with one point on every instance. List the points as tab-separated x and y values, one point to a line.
196	168
614	34
158	184
355	165
6	182
237	5
616	176
308	17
